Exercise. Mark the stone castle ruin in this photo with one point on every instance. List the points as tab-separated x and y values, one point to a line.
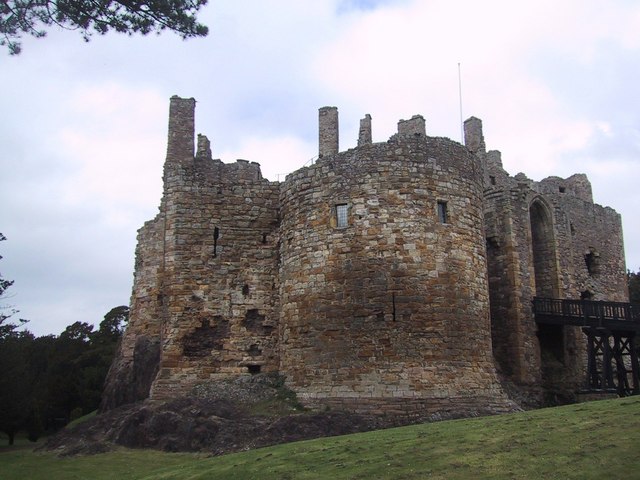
394	277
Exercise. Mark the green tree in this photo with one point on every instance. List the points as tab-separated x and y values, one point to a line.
39	358
14	372
43	380
77	332
78	364
6	311
98	357
15	385
112	326
31	17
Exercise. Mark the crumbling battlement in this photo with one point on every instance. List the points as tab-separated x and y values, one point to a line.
395	277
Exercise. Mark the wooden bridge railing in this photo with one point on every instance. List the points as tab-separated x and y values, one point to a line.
616	315
611	329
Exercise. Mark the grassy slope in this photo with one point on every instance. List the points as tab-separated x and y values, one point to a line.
591	440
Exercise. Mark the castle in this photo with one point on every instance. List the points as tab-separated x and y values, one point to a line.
394	277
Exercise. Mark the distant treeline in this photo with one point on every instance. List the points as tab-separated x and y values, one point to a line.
47	381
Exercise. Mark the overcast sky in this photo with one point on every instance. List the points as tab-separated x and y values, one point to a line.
83	128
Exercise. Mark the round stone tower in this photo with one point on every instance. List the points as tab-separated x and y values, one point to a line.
383	288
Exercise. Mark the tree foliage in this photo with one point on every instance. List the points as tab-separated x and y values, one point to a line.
14	383
112	327
47	381
6	311
44	381
31	17
13	367
4	284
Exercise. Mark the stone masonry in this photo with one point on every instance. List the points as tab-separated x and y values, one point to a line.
395	277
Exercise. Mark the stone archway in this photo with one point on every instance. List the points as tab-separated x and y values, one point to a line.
551	338
544	250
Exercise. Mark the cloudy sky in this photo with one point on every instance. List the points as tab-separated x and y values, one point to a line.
83	128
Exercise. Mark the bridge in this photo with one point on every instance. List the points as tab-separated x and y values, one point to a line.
612	330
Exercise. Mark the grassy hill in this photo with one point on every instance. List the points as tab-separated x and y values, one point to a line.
583	441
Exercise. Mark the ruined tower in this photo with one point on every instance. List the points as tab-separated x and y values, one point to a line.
395	277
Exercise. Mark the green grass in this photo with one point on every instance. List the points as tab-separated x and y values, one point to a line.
82	419
584	441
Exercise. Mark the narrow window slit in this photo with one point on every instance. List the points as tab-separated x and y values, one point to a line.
443	214
216	234
393	305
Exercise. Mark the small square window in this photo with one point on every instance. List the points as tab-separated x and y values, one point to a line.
443	215
341	215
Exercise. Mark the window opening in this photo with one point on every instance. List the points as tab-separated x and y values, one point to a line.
264	238
216	234
492	243
492	180
254	351
443	214
393	305
341	215
561	189
592	260
253	369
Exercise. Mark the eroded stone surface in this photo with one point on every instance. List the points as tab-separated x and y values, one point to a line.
393	278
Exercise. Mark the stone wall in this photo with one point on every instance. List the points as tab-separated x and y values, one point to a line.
590	241
137	360
221	255
394	304
547	239
328	131
395	277
215	303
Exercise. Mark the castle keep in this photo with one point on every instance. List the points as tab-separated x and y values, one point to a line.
393	277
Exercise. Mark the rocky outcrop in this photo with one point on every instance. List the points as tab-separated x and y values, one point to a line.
221	417
129	380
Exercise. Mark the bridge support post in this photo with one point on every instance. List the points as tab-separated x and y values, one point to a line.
626	355
635	364
612	364
599	371
612	330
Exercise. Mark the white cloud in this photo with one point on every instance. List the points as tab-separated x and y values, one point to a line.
115	141
395	60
